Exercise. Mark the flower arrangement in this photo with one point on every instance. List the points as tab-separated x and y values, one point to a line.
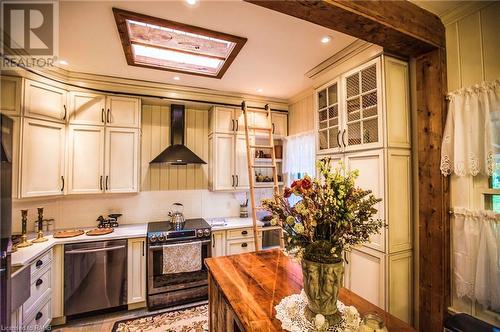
332	216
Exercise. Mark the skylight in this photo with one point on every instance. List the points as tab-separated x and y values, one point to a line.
161	44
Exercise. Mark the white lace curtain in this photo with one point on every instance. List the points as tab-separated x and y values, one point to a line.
472	131
300	154
476	256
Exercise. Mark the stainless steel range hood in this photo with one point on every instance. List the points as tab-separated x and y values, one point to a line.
177	153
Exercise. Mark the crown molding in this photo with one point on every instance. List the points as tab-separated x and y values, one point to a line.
458	13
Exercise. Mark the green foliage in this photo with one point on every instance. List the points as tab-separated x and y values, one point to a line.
332	216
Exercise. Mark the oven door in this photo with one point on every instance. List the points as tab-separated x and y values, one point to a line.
160	283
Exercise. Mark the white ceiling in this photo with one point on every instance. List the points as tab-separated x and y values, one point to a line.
439	8
279	51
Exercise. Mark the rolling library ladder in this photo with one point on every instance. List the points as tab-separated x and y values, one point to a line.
250	144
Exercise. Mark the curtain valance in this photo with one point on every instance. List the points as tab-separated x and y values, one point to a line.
472	133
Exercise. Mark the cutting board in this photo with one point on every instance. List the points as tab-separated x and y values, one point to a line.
99	231
68	233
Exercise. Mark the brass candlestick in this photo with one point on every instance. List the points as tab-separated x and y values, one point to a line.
24	222
39	236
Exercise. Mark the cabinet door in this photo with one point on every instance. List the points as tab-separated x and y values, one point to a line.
86	159
328	118
239	119
218	244
224	120
367	275
280	124
10	99
223	162
16	150
87	108
45	101
363	107
371	177
43	149
240	163
136	270
123	112
260	119
121	160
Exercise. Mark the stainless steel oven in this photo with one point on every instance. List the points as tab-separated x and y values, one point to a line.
175	288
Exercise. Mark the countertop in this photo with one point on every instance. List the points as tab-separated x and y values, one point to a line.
254	283
24	256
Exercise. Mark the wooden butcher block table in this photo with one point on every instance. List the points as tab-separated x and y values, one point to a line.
243	290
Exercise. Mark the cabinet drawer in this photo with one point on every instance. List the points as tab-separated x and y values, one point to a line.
235	247
242	233
40	263
38	287
41	318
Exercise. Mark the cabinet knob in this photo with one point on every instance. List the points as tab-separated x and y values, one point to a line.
244	232
38	316
39	282
244	245
38	263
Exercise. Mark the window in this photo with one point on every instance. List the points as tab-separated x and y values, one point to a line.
492	193
161	44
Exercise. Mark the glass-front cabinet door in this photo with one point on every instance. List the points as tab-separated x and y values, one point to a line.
363	123
329	120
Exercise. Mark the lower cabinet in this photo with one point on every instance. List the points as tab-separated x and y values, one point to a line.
136	274
218	239
233	242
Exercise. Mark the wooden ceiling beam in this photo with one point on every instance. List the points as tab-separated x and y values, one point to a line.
401	27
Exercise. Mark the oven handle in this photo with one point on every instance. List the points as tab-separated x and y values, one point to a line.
174	244
93	250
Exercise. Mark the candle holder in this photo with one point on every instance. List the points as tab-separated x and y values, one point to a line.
24	222
39	236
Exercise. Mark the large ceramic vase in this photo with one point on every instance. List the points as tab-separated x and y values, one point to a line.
322	283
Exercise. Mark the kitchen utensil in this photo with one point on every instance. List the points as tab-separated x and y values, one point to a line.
99	231
175	214
24	222
68	233
39	236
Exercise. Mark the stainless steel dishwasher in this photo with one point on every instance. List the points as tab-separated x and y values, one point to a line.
95	276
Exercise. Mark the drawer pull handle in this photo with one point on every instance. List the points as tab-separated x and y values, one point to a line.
38	316
244	232
39	282
38	263
244	245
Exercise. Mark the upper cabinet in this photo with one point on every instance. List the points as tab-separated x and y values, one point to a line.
11	93
45	101
280	124
96	109
365	108
43	158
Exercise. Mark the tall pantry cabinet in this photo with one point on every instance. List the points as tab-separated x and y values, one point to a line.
363	120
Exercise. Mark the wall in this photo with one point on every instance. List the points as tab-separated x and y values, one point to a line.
473	50
161	185
156	137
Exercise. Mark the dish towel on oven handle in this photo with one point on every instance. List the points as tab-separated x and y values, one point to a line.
182	257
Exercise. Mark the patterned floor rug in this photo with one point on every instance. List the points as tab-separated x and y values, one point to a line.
186	320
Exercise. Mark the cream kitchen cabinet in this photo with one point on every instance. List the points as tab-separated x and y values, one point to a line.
280	124
121	160
85	159
136	270
43	158
96	109
16	151
11	95
45	101
228	162
226	120
218	243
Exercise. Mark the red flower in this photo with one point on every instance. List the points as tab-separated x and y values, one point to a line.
287	192
296	183
306	184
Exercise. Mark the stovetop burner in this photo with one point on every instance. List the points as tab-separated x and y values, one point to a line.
163	231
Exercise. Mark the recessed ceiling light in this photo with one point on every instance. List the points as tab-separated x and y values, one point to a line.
63	62
191	2
177	78
326	39
259	90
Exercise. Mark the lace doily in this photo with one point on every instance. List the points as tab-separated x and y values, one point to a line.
290	311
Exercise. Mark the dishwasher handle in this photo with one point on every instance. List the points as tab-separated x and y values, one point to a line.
85	251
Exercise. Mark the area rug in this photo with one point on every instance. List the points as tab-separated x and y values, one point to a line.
193	319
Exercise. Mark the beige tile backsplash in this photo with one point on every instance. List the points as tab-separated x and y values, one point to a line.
82	211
